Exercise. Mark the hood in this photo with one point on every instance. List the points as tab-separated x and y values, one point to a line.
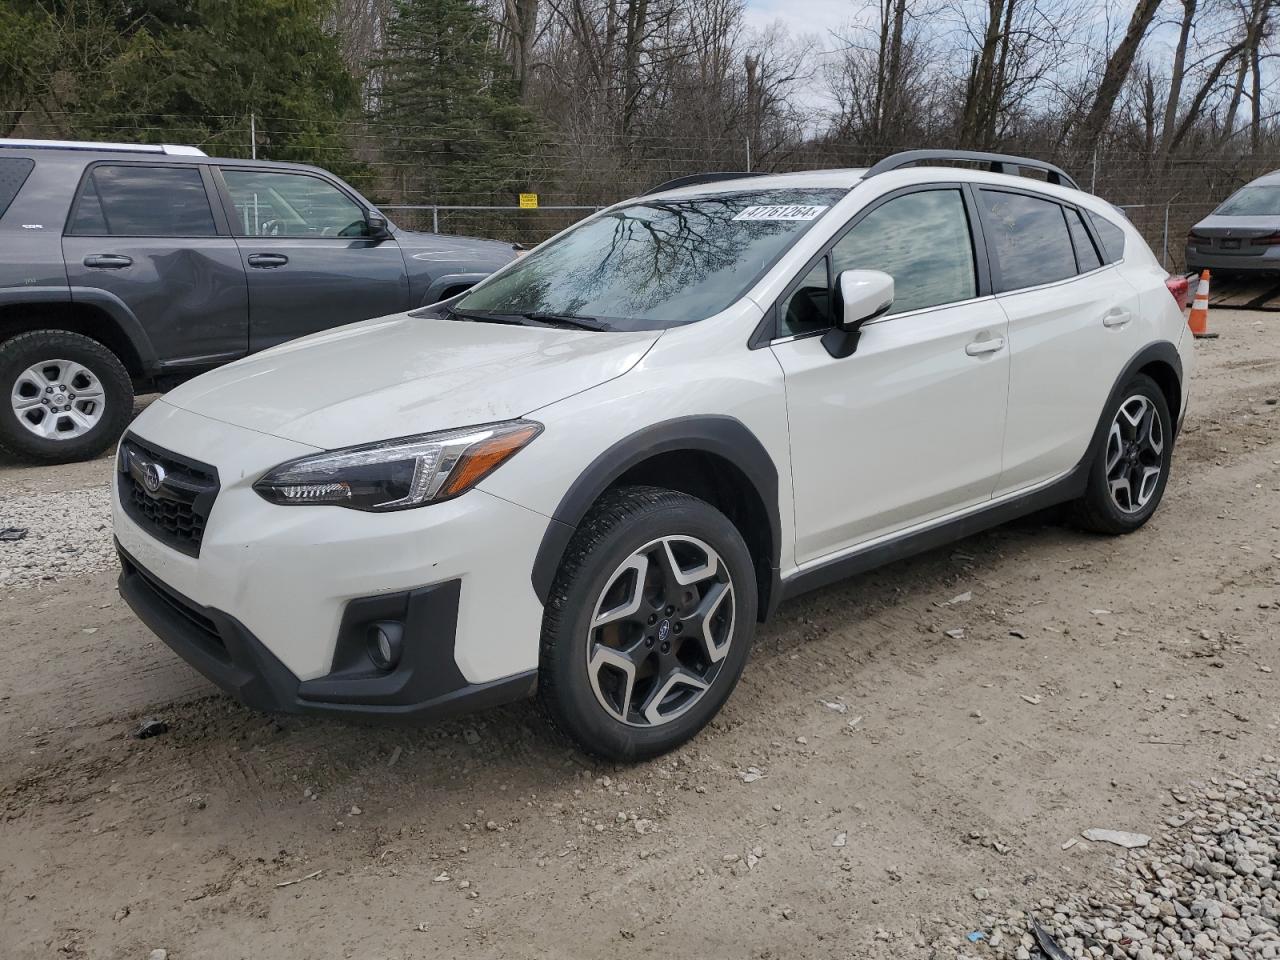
402	375
446	248
1242	227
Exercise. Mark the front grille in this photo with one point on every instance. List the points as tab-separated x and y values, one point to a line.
166	494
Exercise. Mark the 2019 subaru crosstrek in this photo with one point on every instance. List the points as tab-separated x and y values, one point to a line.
595	472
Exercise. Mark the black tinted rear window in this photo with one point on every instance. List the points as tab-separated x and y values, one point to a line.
141	201
1112	237
1030	239
13	174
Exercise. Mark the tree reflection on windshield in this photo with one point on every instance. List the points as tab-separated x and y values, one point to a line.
657	263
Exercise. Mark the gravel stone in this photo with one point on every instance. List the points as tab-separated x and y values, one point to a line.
69	535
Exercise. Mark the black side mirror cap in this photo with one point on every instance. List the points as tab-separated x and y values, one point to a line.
376	225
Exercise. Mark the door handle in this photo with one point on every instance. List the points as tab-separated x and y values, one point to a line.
1116	318
108	260
267	260
979	347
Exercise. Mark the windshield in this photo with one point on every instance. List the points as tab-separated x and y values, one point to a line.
1259	201
656	263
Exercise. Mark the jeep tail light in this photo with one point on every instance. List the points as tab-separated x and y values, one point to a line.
1178	287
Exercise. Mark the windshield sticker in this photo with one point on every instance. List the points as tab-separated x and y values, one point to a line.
791	211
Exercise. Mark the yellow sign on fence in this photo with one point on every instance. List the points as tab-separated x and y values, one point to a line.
528	201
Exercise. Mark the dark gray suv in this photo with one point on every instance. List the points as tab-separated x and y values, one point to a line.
134	267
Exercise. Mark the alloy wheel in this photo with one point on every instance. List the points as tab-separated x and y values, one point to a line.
58	399
1135	454
660	631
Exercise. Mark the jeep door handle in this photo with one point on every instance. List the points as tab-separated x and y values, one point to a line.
1116	318
108	260
267	260
979	347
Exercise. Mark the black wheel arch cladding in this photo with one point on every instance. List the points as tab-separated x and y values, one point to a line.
721	436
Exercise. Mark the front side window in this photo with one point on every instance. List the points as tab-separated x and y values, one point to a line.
142	201
270	204
921	240
657	263
807	309
1029	237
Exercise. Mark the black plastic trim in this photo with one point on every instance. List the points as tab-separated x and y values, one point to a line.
996	163
228	654
1068	487
723	436
695	179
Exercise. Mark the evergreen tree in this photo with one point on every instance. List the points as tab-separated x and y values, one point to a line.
448	106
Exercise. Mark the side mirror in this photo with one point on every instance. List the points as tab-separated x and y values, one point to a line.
376	226
860	295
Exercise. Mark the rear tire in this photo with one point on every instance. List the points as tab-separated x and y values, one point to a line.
648	625
42	416
1131	467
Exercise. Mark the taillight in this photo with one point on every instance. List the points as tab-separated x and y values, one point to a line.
1192	235
1271	240
1178	287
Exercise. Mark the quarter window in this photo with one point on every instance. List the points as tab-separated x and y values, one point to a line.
141	201
1112	237
1030	239
920	239
13	174
1086	256
290	205
807	309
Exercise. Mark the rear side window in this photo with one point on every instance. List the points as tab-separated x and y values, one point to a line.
1112	237
141	201
1086	253
13	174
1029	238
921	240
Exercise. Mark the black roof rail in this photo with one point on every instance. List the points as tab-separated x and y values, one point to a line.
996	163
696	178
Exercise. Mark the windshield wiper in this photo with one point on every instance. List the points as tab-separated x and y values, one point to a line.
484	317
567	320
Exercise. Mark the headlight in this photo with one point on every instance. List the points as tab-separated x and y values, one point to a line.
398	474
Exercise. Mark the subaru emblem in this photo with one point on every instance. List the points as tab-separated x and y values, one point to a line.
152	477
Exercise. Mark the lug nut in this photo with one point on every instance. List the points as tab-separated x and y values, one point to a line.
48	389
666	647
648	641
670	611
653	618
678	627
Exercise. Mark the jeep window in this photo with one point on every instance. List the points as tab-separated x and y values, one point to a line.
1030	239
1086	254
143	201
13	174
270	204
655	263
920	239
1112	237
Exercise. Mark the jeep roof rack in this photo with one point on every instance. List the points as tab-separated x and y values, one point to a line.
173	150
996	163
692	180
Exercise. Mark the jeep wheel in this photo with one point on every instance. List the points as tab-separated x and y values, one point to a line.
648	625
1131	466
69	397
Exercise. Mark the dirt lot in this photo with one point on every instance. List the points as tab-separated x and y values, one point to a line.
1092	676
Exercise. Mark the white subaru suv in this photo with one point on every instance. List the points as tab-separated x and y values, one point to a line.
592	475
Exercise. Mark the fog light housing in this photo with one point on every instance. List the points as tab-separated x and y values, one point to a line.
384	640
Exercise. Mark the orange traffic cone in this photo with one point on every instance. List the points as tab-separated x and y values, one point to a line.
1198	320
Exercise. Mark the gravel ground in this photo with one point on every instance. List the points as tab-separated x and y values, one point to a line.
1208	886
68	535
900	768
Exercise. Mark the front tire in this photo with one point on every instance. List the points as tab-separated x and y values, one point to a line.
1131	467
648	625
63	396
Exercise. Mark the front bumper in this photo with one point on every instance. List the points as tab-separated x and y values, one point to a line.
425	683
269	601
